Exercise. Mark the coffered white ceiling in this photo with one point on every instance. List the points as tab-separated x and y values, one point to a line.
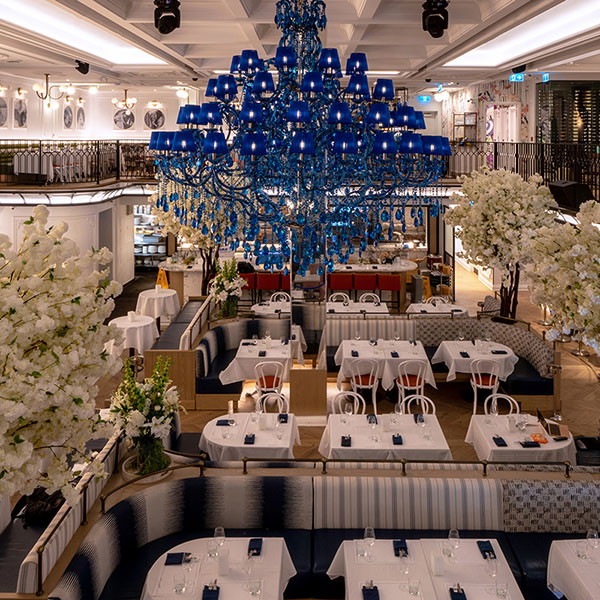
389	31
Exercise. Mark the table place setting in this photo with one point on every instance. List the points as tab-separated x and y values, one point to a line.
352	307
271	308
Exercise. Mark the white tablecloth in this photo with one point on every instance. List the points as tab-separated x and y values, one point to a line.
271	309
363	447
398	267
387	365
482	429
576	578
242	366
469	569
266	443
274	568
338	308
437	308
139	334
383	567
449	353
298	343
156	303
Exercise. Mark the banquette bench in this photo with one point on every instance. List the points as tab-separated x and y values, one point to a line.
314	514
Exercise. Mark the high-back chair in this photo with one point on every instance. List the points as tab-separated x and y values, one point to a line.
485	375
280	297
390	282
340	281
425	404
370	297
267	281
364	281
364	376
340	400
437	299
339	297
269	377
513	405
411	378
250	284
272	398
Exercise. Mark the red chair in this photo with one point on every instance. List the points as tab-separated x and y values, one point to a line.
390	282
268	281
286	282
250	283
339	281
366	282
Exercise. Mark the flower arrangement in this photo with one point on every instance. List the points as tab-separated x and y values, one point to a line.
497	214
144	412
53	304
565	276
226	288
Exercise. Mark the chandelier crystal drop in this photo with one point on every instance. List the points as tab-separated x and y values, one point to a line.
303	166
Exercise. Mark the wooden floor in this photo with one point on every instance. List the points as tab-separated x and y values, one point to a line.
580	389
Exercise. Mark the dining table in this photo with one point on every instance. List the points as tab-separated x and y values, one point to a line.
574	569
139	332
271	308
399	266
388	354
459	354
200	566
238	435
157	302
496	438
356	308
384	437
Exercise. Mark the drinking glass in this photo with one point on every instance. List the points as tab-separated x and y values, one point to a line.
361	549
220	535
501	589
248	567
487	336
461	334
447	549
396	335
255	587
521	424
179	583
491	568
398	409
404	563
255	338
357	335
267	334
414	586
369	536
494	408
592	538
426	433
225	433
212	549
581	547
454	538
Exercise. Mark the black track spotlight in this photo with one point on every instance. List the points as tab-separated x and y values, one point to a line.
167	16
82	67
435	17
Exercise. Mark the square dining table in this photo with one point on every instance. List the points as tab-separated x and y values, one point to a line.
576	577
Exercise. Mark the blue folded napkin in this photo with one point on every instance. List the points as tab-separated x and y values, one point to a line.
210	592
346	441
454	595
499	352
262	352
423	310
247	344
485	547
293	336
419	418
282	417
530	444
354	353
175	558
374	267
255	546
362	310
249	439
285	342
400	548
499	441
370	593
348	267
464	354
397	439
277	310
371	418
223	423
395	354
331	310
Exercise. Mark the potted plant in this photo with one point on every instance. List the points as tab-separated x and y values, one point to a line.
226	288
144	411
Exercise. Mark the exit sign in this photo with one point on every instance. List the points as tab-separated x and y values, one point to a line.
517	77
545	77
424	99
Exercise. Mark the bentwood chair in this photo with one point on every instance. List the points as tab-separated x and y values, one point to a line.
425	405
485	375
363	375
411	378
370	297
269	377
492	399
340	400
339	297
273	398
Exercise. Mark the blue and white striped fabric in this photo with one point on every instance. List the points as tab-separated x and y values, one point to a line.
407	503
332	465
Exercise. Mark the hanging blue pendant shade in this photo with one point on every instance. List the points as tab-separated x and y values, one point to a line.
312	83
432	144
410	143
446	147
189	115
209	114
344	142
153	140
408	118
329	61
357	63
235	64
180	115
214	143
384	143
184	141
285	58
249	61
419	120
226	87
379	114
165	140
384	90
302	143
251	112
339	113
358	86
254	144
263	83
298	112
211	88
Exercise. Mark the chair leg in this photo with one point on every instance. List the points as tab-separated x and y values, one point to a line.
374	399
475	400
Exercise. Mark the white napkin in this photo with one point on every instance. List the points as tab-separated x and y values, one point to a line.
131	315
158	287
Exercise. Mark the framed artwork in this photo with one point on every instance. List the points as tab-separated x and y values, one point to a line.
68	117
154	118
3	112
80	117
20	113
124	119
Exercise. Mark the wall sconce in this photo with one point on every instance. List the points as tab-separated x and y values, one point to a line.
2	90
68	99
20	93
127	103
154	104
48	92
80	101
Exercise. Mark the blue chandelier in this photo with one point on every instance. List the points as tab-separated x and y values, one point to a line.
304	168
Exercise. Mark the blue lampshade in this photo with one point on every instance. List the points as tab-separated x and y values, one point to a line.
419	120
298	112
165	140
407	116
359	86
411	143
211	88
339	113
254	144
344	143
251	112
214	143
302	143
446	148
263	83
209	114
432	144
384	89
235	64
184	141
357	63
153	140
379	114
312	82
249	61
329	60
384	143
226	87
180	115
189	115
285	58
394	118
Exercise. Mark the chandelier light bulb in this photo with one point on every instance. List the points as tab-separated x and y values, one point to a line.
114	101
93	89
37	87
182	93
70	90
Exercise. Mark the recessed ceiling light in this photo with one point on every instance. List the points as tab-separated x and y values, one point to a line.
558	23
56	23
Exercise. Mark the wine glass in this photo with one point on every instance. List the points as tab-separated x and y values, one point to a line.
357	335
248	567
369	536
348	410
396	335
522	424
398	409
592	539
404	563
255	587
487	336
219	535
454	538
461	334
494	408
414	587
